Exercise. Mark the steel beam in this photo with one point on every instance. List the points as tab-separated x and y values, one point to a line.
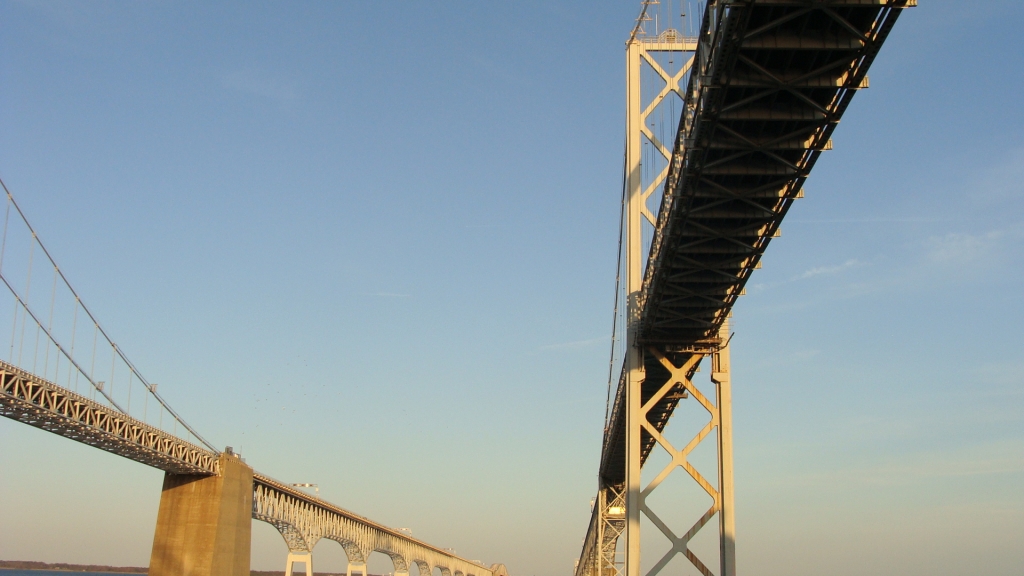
37	402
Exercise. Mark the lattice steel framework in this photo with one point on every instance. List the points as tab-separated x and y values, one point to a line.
27	398
769	82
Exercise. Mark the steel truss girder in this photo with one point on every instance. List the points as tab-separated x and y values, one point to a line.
37	402
753	132
607	522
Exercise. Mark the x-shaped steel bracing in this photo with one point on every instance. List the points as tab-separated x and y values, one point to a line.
680	376
671	87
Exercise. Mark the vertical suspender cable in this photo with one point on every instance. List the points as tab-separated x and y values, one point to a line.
129	392
99	330
92	366
49	325
113	364
3	250
28	288
74	334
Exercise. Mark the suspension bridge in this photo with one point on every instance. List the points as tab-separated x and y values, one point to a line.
727	113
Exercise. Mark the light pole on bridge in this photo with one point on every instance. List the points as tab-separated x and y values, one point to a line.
315	487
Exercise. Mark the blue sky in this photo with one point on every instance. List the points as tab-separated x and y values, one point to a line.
373	247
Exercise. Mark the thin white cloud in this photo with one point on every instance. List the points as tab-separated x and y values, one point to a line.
575	345
954	463
871	220
820	270
67	13
960	248
263	84
811	273
1001	378
793	358
1004	181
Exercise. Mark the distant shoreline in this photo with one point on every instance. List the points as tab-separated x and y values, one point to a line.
95	568
63	567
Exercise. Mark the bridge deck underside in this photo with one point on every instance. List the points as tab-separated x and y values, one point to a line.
772	79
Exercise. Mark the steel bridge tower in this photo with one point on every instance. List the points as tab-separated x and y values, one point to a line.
619	507
762	87
634	495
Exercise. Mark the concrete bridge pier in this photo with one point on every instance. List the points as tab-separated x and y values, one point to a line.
204	525
361	568
304	557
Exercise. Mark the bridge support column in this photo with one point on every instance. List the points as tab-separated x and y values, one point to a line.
633	362
204	524
723	384
677	384
305	557
611	523
361	568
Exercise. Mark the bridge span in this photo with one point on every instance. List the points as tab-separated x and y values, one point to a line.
302	519
766	84
209	496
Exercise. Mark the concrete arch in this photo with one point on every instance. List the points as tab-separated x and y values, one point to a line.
423	567
355	554
399	561
303	521
293	538
499	570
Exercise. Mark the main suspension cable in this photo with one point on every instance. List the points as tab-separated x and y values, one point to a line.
79	302
618	284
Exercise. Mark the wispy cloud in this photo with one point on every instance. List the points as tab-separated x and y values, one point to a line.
1004	181
947	464
575	345
811	273
828	270
793	358
1001	379
501	72
871	220
960	248
263	84
69	14
388	295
